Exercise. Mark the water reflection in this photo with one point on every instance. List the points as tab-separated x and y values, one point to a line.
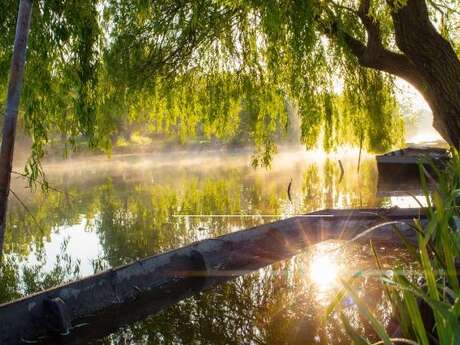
327	266
281	304
113	212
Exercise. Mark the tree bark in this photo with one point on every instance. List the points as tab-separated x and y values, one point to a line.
427	61
11	114
436	62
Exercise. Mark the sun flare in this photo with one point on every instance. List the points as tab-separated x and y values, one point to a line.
324	270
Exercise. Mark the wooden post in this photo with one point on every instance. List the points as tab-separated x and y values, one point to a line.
12	105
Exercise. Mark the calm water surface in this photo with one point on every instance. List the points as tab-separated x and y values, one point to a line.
110	212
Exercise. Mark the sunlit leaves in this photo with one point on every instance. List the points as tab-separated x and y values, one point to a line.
197	69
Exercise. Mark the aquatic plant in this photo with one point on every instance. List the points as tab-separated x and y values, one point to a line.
425	303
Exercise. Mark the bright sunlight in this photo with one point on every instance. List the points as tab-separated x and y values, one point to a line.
324	270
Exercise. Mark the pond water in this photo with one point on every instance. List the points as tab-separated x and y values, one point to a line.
108	212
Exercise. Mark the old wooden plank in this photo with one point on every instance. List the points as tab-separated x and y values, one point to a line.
182	272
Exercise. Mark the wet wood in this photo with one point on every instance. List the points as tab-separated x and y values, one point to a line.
148	285
414	155
399	171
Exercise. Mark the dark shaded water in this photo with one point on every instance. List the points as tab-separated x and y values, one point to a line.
110	212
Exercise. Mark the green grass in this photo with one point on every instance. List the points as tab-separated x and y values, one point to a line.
435	293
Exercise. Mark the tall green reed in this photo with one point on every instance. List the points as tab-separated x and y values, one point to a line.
425	306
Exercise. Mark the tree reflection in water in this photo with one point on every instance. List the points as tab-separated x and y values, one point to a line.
281	304
141	209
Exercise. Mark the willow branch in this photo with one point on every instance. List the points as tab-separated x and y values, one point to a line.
343	7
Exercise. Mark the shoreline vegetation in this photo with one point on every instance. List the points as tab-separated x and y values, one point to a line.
422	299
230	82
425	303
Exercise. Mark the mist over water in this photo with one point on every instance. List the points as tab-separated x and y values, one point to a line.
106	212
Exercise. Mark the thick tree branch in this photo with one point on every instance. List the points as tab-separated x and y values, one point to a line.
436	60
372	27
384	60
374	55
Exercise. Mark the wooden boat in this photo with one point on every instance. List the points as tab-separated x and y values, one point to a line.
399	171
125	294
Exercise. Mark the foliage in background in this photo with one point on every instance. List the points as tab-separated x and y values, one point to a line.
98	69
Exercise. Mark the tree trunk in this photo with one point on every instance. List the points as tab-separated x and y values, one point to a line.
427	61
11	114
436	63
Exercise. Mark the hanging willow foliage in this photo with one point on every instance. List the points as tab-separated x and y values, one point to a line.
198	67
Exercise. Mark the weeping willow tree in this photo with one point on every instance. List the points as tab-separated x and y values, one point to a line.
194	67
208	61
